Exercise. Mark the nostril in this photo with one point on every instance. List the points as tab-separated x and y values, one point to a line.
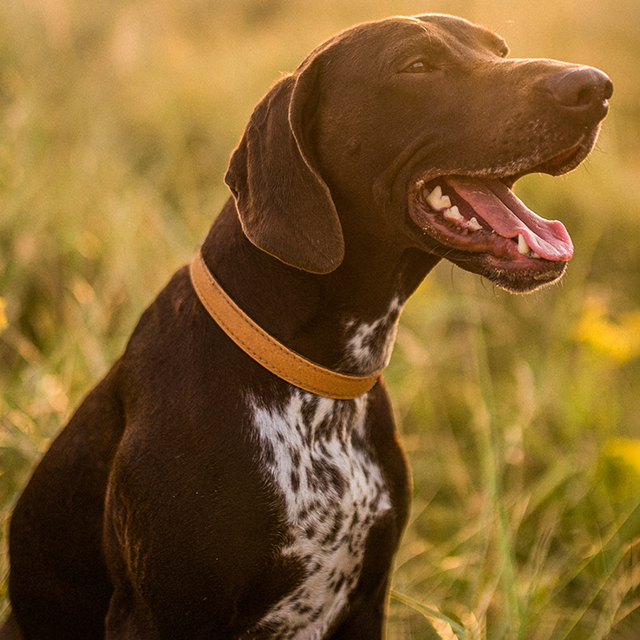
584	97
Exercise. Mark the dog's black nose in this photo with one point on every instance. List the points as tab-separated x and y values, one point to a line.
584	91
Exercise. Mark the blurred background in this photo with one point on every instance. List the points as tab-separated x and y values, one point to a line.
520	414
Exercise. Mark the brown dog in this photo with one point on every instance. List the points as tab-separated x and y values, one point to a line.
217	485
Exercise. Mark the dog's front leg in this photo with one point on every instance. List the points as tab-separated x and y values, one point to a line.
190	534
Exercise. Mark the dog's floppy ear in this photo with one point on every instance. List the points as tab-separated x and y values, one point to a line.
284	205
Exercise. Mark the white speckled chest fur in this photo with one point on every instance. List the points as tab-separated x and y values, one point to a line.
316	453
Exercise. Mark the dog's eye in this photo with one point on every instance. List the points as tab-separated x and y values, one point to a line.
420	66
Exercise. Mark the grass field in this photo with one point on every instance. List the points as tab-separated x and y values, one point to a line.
520	414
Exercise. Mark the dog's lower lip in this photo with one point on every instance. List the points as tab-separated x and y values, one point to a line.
560	163
561	158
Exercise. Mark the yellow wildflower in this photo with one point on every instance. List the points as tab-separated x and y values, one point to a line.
621	458
619	340
4	323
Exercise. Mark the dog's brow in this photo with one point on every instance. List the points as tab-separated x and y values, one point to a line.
429	42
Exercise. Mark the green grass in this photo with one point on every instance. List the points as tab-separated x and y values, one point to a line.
520	415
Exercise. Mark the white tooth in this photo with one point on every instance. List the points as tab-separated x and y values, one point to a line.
453	213
437	200
474	225
533	254
523	247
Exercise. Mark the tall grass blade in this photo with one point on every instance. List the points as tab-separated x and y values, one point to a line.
431	614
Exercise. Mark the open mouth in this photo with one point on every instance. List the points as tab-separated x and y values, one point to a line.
485	228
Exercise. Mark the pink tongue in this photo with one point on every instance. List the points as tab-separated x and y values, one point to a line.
508	216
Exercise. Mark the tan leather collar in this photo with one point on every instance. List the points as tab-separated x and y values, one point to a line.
265	349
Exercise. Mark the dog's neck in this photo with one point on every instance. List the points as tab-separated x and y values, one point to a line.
345	320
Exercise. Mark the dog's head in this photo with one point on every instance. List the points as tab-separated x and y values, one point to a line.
411	132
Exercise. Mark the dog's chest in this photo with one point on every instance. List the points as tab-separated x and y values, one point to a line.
316	454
